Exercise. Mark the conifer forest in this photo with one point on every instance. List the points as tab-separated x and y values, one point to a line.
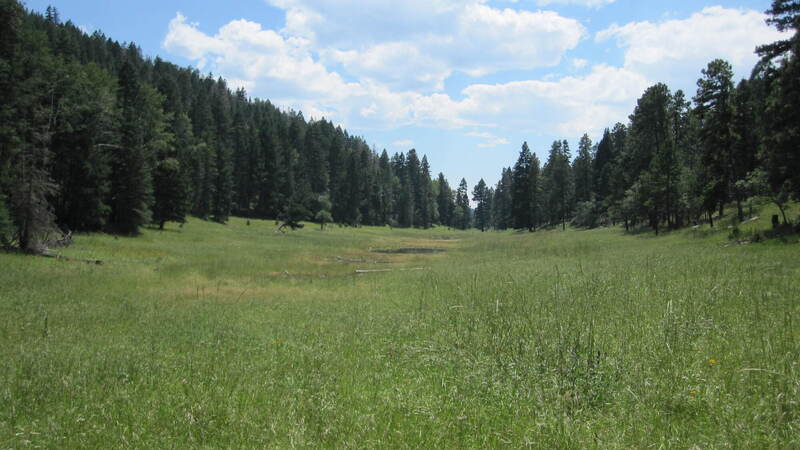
97	136
184	264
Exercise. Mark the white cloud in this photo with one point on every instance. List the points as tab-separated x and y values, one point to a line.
393	61
288	70
588	3
675	51
417	44
397	64
490	140
567	106
579	63
284	69
242	51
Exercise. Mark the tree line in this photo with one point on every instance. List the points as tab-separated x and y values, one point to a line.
94	136
675	162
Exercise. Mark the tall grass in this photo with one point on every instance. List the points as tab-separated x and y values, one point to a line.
235	336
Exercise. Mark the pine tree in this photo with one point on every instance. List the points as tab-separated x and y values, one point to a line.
502	205
425	204
781	115
559	183
445	201
603	161
582	169
521	193
414	177
462	216
11	14
28	140
617	175
745	141
131	186
354	195
785	16
405	193
714	110
483	208
536	197
82	144
169	192
387	182
222	198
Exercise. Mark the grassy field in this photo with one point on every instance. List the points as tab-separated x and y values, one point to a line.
235	336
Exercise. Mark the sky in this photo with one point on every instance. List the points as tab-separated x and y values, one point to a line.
463	81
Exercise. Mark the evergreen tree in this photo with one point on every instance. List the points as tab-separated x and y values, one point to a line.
445	202
502	205
603	161
781	115
462	215
649	137
483	211
617	174
405	194
714	110
354	195
785	16
222	198
559	183
169	193
131	185
536	195
11	14
387	183
521	193
582	169
83	138
27	142
425	204
745	141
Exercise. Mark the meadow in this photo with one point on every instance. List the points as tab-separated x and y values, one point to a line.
236	336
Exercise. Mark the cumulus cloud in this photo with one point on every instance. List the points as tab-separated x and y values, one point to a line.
243	51
285	69
588	3
565	106
392	60
385	83
417	44
676	50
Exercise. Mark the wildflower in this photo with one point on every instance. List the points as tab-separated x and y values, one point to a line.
692	393
712	361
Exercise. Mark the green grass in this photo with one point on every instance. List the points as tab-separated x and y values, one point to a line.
235	336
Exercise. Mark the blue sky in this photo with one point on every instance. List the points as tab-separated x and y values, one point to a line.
463	81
